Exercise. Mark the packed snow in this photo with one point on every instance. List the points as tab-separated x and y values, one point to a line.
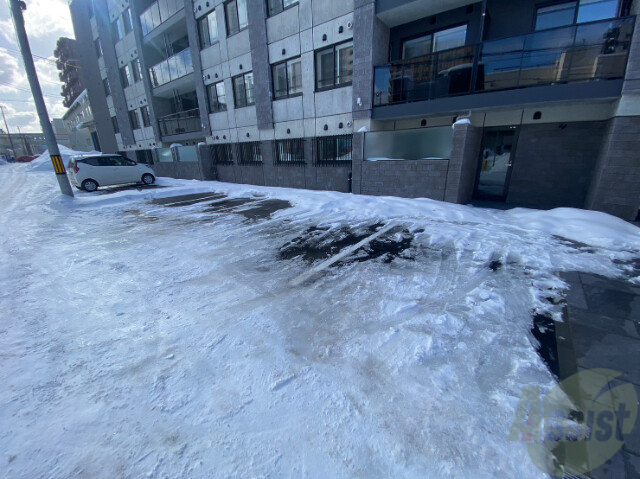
142	339
43	162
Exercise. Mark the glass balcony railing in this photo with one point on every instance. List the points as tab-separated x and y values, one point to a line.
172	68
158	13
590	51
181	122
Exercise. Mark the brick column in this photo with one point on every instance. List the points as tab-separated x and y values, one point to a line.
356	163
463	163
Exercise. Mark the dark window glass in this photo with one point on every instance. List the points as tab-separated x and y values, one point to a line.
135	123
334	66
118	31
127	20
114	122
236	14
107	88
558	15
277	6
289	151
208	28
334	149
222	153
125	74
594	10
146	118
243	90
249	153
287	78
136	67
217	97
98	47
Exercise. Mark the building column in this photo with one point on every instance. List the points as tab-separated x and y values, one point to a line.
463	163
357	158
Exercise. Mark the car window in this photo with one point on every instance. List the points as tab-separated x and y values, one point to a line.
107	161
91	161
121	161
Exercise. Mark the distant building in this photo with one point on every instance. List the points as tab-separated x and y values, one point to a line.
79	125
66	54
24	144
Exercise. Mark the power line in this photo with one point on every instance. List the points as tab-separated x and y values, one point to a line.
45	59
27	90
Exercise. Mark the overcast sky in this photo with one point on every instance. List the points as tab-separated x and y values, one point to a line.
46	21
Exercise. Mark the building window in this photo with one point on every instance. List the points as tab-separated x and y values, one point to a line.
287	78
289	152
98	47
114	122
236	14
277	6
146	118
222	154
127	20
135	123
217	97
568	13
136	67
144	156
208	28
331	150
334	66
125	74
107	88
249	153
243	90
435	42
118	31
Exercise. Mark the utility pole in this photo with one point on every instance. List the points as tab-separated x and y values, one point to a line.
17	6
27	149
13	150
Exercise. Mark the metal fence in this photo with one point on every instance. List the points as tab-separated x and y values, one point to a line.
289	152
181	122
249	153
222	154
334	150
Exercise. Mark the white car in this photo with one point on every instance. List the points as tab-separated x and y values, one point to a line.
90	172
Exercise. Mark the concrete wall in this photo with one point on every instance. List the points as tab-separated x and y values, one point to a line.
554	166
463	163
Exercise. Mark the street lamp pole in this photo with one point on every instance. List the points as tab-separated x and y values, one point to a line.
17	6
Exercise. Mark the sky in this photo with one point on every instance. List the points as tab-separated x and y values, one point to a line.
46	21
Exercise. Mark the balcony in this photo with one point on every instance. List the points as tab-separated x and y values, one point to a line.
158	13
580	53
180	123
177	66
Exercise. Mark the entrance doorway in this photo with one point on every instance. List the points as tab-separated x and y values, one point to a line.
496	161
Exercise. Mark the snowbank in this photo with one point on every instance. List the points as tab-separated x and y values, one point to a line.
43	162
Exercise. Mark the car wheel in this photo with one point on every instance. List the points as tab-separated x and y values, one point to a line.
90	185
148	179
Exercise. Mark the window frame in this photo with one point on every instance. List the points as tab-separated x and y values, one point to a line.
237	16
336	161
298	143
126	76
432	34
146	116
213	87
136	70
249	153
204	20
273	78
334	85
282	7
127	21
227	148
107	87
117	29
576	14
245	104
134	119
115	125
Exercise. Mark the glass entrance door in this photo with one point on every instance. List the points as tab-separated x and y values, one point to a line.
496	160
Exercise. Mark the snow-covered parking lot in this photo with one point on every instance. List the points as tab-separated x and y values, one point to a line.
156	337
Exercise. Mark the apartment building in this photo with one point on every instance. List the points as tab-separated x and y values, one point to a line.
525	103
78	124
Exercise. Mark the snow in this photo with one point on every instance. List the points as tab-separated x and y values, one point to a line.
143	340
462	121
43	162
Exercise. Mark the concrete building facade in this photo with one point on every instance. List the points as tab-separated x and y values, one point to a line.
527	103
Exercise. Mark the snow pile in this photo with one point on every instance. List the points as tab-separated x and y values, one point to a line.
140	340
43	162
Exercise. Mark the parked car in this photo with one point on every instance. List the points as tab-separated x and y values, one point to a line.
25	159
90	172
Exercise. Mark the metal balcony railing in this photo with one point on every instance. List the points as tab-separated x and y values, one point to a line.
589	51
158	13
172	68
181	122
